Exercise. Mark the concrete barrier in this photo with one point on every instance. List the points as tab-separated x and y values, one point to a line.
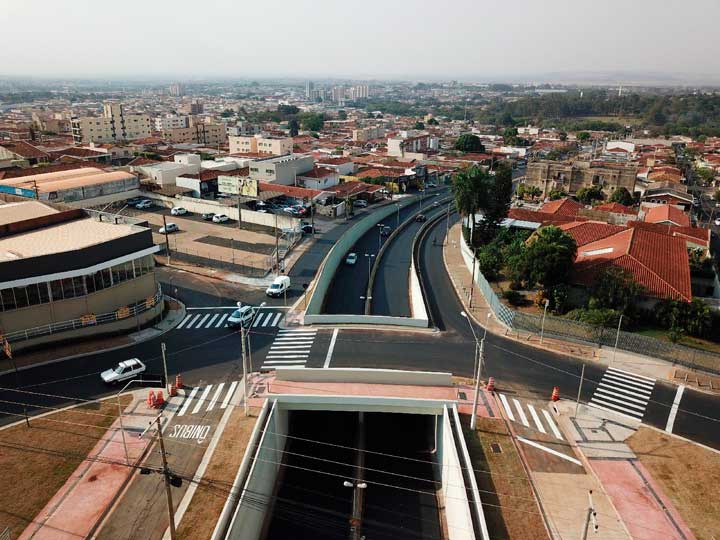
364	376
333	318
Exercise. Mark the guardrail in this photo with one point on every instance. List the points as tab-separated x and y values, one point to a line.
86	321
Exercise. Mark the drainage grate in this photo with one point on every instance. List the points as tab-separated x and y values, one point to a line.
462	396
496	448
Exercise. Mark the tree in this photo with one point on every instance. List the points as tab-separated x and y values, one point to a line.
494	201
419	126
469	143
433	122
294	127
549	257
490	261
717	196
615	289
312	121
288	110
556	194
562	136
465	187
589	194
622	196
342	115
583	136
510	136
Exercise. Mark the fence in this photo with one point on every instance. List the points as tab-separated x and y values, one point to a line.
5	534
588	333
88	320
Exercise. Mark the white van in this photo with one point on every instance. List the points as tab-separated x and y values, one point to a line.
278	287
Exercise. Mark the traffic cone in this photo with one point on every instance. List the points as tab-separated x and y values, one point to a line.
178	381
151	399
555	393
172	391
160	399
491	384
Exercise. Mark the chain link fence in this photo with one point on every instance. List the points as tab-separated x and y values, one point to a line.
591	334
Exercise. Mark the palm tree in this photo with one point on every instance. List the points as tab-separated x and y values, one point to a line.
465	198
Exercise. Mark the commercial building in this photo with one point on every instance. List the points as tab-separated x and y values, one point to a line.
282	169
171	122
367	133
175	90
166	172
113	126
72	274
258	144
572	176
406	144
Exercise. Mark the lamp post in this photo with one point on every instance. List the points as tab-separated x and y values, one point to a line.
542	324
369	256
380	227
245	335
397	205
356	519
617	337
479	353
120	414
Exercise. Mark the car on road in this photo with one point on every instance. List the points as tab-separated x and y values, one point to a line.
169	228
278	287
208	216
220	218
178	211
360	203
127	369
242	316
420	218
436	203
351	258
717	222
385	231
308	229
145	203
431	185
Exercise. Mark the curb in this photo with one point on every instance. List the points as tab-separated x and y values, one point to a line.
109	349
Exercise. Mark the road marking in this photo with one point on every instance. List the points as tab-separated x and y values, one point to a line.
282	346
215	396
273	362
550	451
202	399
229	395
188	399
294	340
184	321
202	321
674	409
521	412
536	418
296	335
605	397
625	389
632	375
331	348
267	319
639	386
552	425
299	331
195	318
614	392
609	407
257	320
508	410
190	431
222	320
277	319
273	356
210	322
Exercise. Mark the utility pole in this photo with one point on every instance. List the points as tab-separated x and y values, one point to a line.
166	475
277	246
582	377
162	349
591	516
244	366
447	225
8	353
167	240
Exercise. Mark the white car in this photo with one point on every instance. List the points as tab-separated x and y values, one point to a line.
125	370
717	222
360	203
351	259
178	211
242	316
145	203
169	228
220	218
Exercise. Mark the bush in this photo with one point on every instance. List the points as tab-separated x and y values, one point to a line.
513	297
490	261
597	317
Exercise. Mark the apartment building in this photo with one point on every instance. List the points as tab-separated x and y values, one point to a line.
113	126
572	176
281	169
201	133
367	133
258	144
171	122
408	143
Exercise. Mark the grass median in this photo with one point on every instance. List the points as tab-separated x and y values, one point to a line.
36	461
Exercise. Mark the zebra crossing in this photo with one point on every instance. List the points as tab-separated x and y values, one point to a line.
623	392
205	320
290	348
208	397
542	420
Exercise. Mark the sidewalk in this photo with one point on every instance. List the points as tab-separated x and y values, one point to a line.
479	309
77	508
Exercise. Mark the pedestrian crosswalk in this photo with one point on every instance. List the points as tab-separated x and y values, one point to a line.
207	398
290	348
623	392
204	320
541	420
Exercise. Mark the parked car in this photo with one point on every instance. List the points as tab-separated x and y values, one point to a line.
133	201
178	211
351	259
125	370
145	203
220	218
717	222
169	228
431	185
289	210
360	203
420	218
278	287
308	229
208	216
242	317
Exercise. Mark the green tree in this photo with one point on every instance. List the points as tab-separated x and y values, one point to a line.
562	136
466	185
288	110
419	125
490	261
589	194
583	136
556	194
494	201
510	136
312	121
469	143
342	115
615	289
433	122
548	257
294	127
623	196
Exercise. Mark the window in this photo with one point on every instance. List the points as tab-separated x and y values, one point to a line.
56	290
8	299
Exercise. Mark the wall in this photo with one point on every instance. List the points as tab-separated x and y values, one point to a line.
362	375
364	319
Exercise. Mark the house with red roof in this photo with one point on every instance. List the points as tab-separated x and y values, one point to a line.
562	207
666	214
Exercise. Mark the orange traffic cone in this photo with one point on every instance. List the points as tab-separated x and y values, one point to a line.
172	391
160	399
178	381
491	384
555	393
151	399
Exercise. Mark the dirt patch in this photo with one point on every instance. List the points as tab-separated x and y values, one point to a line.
204	510
688	475
508	498
37	461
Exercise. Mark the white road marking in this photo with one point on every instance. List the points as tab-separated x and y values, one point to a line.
508	410
279	362
613	392
297	335
617	387
195	318
222	320
229	395
521	412
331	348
267	319
632	375
536	418
210	322
188	399
611	407
550	451
293	340
202	399
184	321
552	425
299	331
640	386
257	320
605	397
202	321
674	409
215	396
286	346
277	319
272	356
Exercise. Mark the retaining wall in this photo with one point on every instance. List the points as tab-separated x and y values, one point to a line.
364	375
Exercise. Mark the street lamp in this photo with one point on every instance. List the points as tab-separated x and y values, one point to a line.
397	205
479	350
380	227
542	325
369	256
245	335
356	486
120	414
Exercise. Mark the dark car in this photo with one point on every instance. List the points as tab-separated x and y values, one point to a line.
208	216
308	229
420	218
386	231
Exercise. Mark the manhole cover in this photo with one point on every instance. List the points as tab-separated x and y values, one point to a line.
463	396
496	449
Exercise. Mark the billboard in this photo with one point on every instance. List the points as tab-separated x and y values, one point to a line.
237	185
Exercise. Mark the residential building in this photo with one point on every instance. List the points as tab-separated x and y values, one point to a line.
170	121
367	133
406	144
243	129
175	90
196	133
259	144
320	178
571	176
166	172
113	126
309	87
193	108
281	169
359	91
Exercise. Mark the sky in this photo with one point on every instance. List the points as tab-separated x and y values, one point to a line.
365	39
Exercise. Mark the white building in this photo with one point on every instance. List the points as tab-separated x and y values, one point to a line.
171	122
281	169
113	126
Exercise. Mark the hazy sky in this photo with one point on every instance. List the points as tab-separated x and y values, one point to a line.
465	39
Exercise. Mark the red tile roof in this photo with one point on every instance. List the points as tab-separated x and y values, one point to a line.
541	217
292	191
25	149
212	174
334	160
667	213
318	172
693	235
615	208
586	232
562	207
